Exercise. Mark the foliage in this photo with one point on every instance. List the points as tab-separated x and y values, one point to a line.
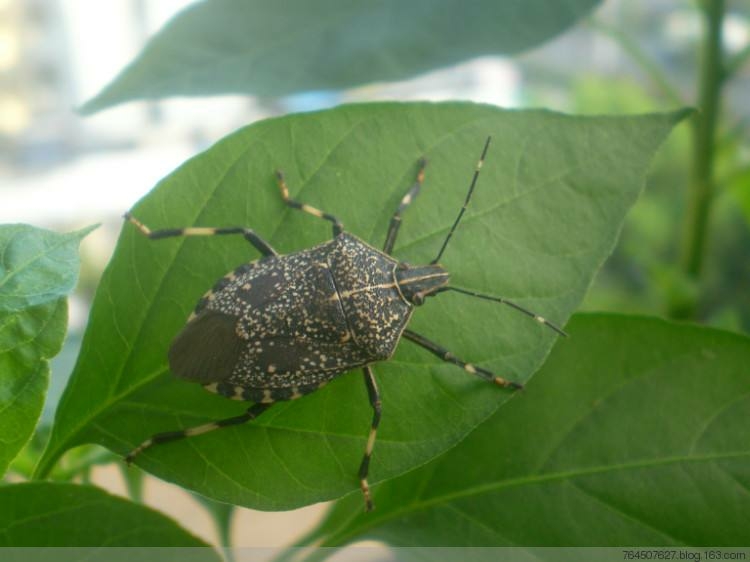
270	48
644	449
546	213
51	514
630	434
37	269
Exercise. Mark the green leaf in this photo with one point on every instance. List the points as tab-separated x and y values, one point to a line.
28	339
36	265
37	268
634	432
548	206
46	514
271	48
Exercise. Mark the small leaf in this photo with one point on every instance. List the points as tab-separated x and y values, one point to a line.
36	265
271	48
634	432
46	514
28	339
549	204
37	268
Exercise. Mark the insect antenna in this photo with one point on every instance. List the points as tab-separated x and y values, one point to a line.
511	304
466	202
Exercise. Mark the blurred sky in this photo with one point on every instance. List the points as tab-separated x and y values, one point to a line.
61	170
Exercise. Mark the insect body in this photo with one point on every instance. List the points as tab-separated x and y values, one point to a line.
283	326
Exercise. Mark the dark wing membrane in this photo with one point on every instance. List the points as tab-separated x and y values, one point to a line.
207	349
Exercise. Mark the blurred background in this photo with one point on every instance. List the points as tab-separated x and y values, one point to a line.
61	171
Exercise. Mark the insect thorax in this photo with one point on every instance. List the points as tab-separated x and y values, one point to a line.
375	309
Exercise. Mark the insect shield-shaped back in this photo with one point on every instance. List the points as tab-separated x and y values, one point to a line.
280	327
375	309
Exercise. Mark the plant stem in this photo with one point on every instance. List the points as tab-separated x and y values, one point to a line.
701	186
221	515
134	481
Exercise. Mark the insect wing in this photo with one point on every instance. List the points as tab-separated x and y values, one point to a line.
207	349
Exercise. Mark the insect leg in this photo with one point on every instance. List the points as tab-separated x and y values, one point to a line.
407	200
374	396
338	228
446	355
252	412
261	245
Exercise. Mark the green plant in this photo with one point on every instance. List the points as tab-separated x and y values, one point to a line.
634	425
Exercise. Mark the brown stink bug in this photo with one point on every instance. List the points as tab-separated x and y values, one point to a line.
283	326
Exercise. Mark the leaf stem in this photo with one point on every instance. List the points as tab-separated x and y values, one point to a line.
134	481
701	186
222	515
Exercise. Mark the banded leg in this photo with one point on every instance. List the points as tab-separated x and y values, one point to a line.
390	239
252	412
338	228
261	245
446	355
374	396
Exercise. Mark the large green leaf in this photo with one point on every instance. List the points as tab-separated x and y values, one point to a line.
634	432
46	514
37	268
550	201
272	48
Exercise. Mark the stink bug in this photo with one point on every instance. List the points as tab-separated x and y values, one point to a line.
281	327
